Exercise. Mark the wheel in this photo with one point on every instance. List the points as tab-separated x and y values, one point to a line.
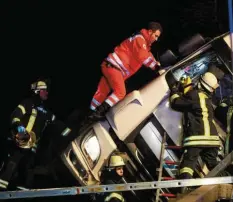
191	44
167	58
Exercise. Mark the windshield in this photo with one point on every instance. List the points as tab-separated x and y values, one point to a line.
91	148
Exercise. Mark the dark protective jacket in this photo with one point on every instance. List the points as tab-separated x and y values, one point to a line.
110	177
33	115
224	113
199	128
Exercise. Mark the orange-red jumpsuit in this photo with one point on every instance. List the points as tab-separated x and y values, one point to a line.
126	60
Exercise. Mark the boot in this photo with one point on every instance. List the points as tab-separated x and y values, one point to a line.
100	112
94	116
184	190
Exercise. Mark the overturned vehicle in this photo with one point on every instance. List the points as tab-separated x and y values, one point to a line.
136	125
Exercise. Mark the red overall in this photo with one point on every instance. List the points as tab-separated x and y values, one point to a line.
126	60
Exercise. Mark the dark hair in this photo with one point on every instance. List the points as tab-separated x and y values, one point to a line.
155	26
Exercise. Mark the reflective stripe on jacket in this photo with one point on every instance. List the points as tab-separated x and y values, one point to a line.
199	118
132	53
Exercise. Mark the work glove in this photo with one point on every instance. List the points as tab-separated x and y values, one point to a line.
175	88
21	130
93	197
22	134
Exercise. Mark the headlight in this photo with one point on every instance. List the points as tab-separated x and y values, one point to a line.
91	148
76	163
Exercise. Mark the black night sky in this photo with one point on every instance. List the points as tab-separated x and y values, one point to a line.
67	41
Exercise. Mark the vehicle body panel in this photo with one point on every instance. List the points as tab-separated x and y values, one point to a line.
106	144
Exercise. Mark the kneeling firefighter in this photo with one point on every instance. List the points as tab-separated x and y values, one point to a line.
28	121
201	137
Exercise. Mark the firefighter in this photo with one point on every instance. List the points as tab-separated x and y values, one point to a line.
112	175
122	63
201	137
224	113
28	121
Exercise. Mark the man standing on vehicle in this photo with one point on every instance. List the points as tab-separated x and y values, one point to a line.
28	122
121	64
112	175
201	137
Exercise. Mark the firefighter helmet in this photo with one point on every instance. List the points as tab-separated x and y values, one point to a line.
209	81
39	85
116	161
187	84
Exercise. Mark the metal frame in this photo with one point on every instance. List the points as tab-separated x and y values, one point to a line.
113	188
221	166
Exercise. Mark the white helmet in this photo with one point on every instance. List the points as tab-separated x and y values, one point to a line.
116	161
209	81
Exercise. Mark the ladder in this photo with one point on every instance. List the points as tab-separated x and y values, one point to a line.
68	191
163	163
221	166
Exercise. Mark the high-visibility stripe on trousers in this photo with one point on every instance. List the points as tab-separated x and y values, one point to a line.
191	154
112	80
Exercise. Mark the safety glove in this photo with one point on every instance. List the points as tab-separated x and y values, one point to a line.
22	134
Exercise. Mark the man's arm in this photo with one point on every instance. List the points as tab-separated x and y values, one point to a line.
179	102
142	53
18	114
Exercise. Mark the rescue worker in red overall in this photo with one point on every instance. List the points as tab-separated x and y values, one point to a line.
121	64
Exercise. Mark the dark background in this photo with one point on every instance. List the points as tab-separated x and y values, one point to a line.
67	42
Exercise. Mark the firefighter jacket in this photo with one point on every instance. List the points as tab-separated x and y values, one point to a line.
132	53
33	115
224	114
199	128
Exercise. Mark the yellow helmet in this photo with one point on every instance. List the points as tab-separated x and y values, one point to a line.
209	81
116	161
39	85
187	84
